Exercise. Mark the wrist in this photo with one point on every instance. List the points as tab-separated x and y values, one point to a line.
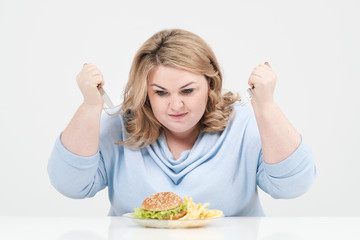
263	105
91	107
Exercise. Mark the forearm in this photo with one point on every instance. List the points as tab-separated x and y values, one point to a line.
81	136
279	138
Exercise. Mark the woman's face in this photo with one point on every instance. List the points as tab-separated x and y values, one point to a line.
178	98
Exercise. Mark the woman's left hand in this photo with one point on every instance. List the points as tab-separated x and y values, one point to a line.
263	81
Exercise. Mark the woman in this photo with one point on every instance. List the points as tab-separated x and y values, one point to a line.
176	131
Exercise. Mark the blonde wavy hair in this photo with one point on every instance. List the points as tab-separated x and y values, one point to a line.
180	49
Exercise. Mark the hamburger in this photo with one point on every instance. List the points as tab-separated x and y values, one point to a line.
163	205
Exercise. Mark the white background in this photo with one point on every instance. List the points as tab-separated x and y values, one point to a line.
312	45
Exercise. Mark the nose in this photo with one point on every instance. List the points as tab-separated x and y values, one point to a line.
176	103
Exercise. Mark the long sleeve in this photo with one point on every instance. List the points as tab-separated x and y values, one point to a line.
289	178
75	176
224	169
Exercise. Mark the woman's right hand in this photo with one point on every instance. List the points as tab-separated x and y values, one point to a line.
88	80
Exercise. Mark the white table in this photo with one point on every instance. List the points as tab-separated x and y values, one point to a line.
111	228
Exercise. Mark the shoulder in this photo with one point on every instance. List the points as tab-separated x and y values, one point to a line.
242	113
243	121
112	124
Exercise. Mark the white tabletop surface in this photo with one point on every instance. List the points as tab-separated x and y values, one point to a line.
111	228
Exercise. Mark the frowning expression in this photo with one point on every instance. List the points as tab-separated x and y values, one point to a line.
178	97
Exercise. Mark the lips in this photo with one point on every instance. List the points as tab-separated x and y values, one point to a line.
177	116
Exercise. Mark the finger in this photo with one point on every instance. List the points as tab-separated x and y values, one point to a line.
260	71
101	84
88	66
264	71
262	68
254	80
265	67
256	74
96	82
98	79
94	72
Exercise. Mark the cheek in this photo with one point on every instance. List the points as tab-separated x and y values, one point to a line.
199	103
204	98
157	105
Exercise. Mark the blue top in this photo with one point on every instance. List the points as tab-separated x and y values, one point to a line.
223	169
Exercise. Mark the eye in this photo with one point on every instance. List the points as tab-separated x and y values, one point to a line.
188	91
161	93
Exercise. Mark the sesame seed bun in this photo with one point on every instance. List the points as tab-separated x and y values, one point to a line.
162	201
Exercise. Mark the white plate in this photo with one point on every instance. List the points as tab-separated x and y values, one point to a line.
156	223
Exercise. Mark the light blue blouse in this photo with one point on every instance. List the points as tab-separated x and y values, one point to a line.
223	169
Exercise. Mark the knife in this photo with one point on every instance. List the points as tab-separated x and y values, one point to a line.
106	98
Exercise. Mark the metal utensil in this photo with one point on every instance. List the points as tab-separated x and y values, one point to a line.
106	98
246	96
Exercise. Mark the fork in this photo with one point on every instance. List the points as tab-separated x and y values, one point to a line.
106	98
246	96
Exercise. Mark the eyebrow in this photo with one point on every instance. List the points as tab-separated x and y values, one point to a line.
165	88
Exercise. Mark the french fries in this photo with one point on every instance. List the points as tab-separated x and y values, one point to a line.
199	211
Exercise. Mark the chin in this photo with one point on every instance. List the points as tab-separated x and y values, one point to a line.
182	129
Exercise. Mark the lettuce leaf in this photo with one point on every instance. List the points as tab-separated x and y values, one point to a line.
142	213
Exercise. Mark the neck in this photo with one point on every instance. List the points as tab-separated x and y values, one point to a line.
179	142
188	136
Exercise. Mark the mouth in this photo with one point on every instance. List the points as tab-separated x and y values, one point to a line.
177	116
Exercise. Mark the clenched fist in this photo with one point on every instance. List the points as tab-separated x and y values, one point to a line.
89	79
263	81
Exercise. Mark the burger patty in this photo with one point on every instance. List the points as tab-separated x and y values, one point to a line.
177	216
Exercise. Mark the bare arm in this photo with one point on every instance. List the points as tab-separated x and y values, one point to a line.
81	136
279	138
